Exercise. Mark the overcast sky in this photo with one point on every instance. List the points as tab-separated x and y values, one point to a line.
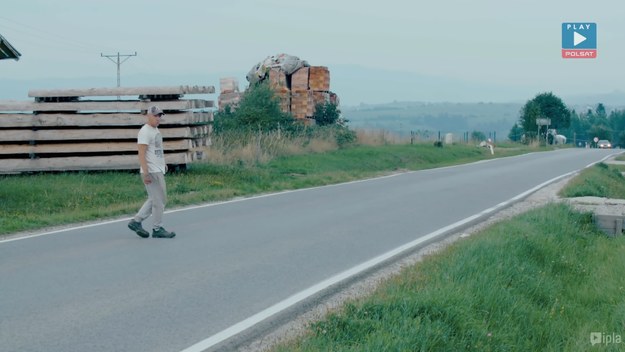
490	42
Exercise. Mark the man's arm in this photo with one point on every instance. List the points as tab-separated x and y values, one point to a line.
143	161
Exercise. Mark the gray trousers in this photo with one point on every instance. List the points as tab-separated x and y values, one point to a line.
157	197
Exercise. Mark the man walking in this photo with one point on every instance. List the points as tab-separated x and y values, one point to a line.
153	168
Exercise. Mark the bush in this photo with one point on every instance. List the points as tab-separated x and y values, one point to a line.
259	110
344	136
327	114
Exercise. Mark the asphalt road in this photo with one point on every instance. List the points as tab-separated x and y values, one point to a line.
235	264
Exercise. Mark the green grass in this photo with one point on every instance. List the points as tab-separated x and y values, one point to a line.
601	180
34	201
541	282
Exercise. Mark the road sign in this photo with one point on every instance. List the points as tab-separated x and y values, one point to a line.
543	122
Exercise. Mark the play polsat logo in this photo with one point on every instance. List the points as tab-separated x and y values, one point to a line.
579	40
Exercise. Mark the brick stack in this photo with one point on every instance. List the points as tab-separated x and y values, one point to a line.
229	93
308	87
301	101
278	82
302	105
298	93
319	79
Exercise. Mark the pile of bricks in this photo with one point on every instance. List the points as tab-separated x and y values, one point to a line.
229	94
303	90
299	93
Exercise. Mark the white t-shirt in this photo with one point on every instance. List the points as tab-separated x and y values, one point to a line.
154	154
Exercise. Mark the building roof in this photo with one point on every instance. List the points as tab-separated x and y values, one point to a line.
7	51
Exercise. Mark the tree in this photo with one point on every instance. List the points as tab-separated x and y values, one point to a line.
617	123
516	132
545	105
529	114
600	131
578	129
600	110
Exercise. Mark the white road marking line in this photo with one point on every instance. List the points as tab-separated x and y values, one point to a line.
299	297
80	227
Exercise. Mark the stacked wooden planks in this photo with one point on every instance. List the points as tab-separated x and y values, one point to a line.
62	131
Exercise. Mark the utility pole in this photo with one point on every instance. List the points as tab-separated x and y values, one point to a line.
118	62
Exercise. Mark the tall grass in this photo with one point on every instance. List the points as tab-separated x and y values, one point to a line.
246	148
379	137
601	180
541	282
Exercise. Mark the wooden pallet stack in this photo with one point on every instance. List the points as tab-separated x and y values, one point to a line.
72	130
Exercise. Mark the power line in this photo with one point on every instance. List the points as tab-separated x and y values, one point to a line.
46	37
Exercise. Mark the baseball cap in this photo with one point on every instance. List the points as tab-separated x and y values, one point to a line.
155	110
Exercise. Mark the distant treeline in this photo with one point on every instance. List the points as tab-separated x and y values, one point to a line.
402	118
458	118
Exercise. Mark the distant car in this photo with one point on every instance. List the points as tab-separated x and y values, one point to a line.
604	144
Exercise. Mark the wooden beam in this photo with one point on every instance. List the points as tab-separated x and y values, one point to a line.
96	134
99	120
76	148
114	162
120	91
103	106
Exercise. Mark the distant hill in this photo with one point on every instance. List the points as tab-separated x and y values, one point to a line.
395	101
613	100
403	117
360	85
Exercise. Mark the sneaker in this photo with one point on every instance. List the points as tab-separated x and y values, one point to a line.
138	229
162	233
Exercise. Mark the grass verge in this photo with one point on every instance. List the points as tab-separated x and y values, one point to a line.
543	281
34	201
601	180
